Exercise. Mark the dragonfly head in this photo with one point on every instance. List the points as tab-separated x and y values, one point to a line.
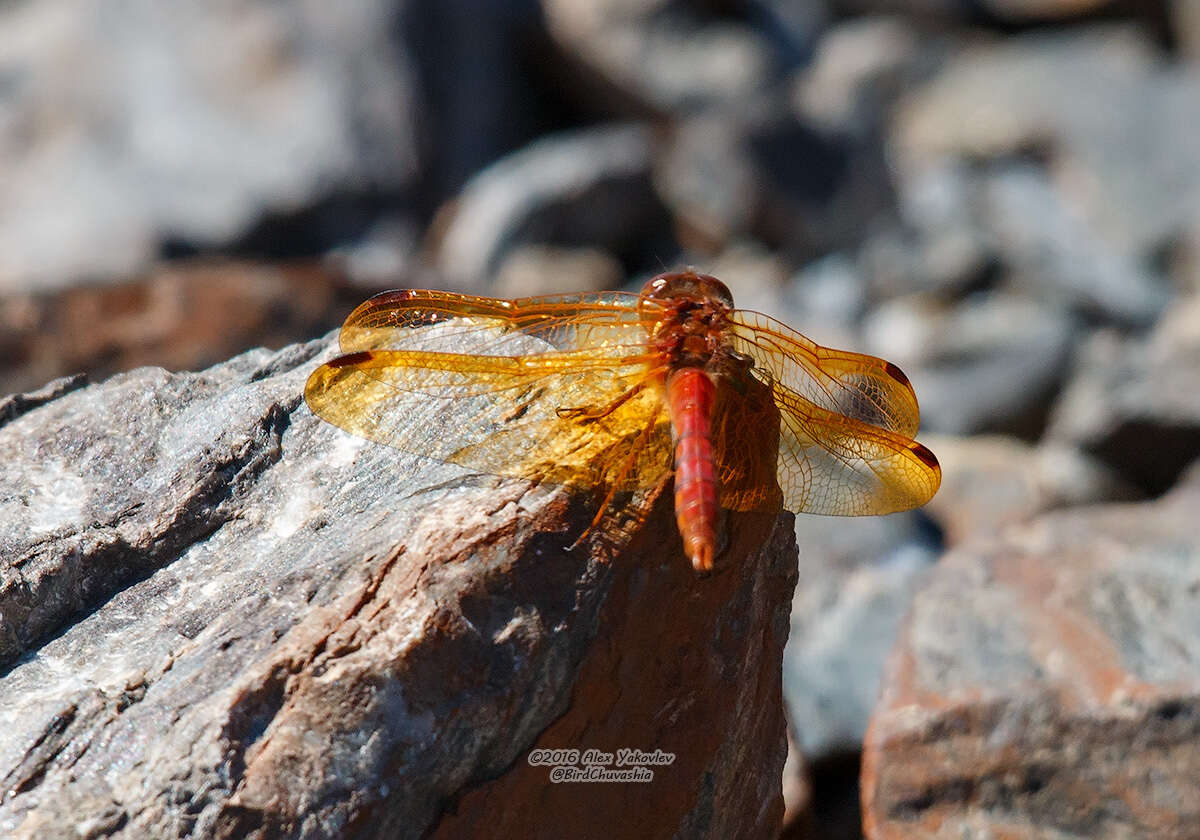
689	285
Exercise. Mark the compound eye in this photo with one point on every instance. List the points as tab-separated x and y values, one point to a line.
688	285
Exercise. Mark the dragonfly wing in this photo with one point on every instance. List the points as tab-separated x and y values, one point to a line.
605	323
835	464
504	415
864	388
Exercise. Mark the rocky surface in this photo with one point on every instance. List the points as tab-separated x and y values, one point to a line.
223	617
1047	684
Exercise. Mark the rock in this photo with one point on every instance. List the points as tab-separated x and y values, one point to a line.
125	131
859	67
222	617
683	57
963	227
990	363
991	482
1047	684
1049	251
182	314
545	270
857	575
1185	27
828	298
797	795
589	188
938	244
756	170
1131	181
1134	403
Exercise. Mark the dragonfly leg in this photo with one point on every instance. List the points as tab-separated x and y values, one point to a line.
615	483
589	414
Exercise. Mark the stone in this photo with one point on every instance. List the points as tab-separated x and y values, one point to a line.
797	795
1051	95
126	132
755	169
1049	251
860	65
938	243
223	617
1047	684
591	187
678	58
991	362
549	270
991	482
858	575
1133	403
181	314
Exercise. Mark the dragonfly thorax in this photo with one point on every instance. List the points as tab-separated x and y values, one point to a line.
689	312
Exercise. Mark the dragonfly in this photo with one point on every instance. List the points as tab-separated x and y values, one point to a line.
618	392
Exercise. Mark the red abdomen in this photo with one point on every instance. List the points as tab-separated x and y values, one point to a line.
690	395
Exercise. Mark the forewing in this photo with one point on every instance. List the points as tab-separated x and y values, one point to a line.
501	414
604	323
834	464
864	388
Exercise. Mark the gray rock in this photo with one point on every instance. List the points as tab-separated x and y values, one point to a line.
589	187
991	482
860	66
124	127
1047	684
545	270
966	226
857	577
1049	251
991	363
1133	180
1135	403
939	244
683	57
223	617
755	170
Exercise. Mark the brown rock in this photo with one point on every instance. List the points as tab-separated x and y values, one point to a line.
1047	685
181	316
706	689
797	793
225	618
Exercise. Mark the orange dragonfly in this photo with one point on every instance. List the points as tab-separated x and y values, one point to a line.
617	391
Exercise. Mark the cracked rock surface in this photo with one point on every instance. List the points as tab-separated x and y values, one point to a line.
222	617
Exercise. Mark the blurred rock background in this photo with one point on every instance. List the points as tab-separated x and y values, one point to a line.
1001	196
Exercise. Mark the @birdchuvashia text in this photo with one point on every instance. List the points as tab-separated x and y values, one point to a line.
627	764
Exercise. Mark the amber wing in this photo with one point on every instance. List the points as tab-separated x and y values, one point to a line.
846	424
491	385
